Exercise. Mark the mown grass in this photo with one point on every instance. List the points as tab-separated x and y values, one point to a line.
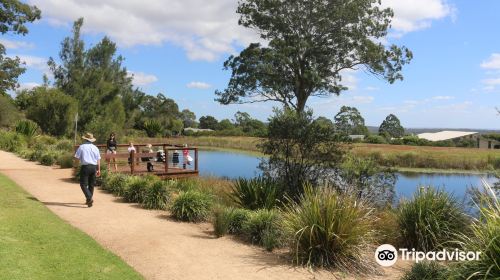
398	156
36	244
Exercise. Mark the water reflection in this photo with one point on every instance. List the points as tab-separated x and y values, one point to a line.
234	165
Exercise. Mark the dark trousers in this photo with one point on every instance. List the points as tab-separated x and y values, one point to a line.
87	180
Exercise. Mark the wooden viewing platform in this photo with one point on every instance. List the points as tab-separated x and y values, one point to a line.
139	159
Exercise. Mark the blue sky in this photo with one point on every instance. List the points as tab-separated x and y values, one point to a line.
178	49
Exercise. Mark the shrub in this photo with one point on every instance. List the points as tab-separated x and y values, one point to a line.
191	206
375	139
36	155
65	145
45	140
238	218
330	229
426	270
11	141
386	227
27	128
65	160
153	128
484	238
48	159
137	189
221	220
157	196
262	228
115	183
229	220
430	219
256	193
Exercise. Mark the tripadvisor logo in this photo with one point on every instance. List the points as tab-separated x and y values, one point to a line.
387	255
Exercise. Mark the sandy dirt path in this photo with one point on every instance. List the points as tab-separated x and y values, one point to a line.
152	243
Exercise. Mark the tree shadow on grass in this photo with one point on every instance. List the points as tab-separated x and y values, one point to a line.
65	204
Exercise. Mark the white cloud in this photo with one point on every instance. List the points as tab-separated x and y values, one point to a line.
492	63
12	44
35	62
463	106
492	81
413	15
204	29
443	97
142	79
199	85
29	85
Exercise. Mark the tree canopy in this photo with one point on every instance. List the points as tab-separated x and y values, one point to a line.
95	77
13	18
349	121
310	44
391	127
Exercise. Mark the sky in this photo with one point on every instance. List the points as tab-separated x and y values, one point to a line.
178	47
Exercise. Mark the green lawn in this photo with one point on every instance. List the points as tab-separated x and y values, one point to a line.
36	244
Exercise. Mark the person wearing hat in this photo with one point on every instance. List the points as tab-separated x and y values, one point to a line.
90	166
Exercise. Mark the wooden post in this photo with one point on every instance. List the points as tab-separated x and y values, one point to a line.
196	159
132	161
165	150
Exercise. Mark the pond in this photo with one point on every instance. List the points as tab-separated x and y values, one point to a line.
235	164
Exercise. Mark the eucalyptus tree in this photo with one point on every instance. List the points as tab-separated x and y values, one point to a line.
309	46
13	18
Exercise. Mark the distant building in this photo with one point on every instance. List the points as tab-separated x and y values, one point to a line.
449	135
357	137
192	129
488	143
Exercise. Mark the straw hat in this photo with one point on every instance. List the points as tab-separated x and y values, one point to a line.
89	137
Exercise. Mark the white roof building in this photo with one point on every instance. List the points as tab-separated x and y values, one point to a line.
445	135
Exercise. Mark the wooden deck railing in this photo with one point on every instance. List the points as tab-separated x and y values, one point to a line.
169	166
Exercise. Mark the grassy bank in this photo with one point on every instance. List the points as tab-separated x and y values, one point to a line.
36	244
404	158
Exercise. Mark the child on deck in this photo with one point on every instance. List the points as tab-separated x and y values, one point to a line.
130	149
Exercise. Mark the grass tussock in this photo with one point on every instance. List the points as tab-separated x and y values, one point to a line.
328	229
263	227
484	237
426	270
157	196
191	206
430	220
256	193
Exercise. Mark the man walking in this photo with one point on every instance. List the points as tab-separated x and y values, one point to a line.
90	166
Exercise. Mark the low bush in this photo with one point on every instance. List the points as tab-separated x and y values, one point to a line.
65	160
11	141
430	219
137	188
27	128
256	193
48	158
426	270
191	206
115	183
262	227
222	218
229	220
329	229
375	139
157	196
485	238
64	145
386	227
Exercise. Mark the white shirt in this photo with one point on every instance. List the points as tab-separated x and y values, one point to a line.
88	153
130	149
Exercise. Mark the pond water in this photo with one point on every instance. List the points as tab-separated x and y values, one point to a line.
234	165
